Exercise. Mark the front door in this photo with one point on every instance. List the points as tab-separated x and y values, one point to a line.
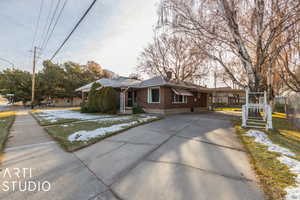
129	98
203	100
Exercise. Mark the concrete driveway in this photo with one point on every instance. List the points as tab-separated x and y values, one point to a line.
194	157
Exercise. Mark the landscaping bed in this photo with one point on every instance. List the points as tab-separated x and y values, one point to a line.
6	121
275	156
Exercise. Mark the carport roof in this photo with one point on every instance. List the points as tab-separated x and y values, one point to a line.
111	82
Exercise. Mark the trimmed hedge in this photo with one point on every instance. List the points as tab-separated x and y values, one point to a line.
92	98
104	100
110	101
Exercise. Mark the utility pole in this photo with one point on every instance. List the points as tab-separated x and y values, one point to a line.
33	78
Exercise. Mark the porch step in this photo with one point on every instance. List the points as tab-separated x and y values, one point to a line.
256	123
255	118
258	127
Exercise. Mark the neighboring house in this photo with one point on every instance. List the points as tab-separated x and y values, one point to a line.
156	95
61	102
228	96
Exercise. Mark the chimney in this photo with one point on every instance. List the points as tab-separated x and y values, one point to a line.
169	75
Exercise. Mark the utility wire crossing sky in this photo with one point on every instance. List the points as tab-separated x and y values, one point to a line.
113	33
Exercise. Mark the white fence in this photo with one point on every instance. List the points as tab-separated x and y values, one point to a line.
258	106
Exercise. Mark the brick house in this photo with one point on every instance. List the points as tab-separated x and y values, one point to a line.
156	95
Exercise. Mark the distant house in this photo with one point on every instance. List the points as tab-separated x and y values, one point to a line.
156	95
62	102
228	96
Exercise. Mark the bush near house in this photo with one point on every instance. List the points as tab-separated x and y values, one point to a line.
92	103
109	100
137	109
104	100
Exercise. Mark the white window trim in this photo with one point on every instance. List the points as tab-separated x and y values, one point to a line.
149	96
184	98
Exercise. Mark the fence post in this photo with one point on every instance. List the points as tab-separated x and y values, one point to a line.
269	120
247	96
244	116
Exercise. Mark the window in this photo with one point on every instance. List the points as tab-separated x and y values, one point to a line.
179	98
153	95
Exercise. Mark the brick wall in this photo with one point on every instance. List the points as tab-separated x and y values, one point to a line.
166	95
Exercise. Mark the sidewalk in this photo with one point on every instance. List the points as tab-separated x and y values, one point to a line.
26	131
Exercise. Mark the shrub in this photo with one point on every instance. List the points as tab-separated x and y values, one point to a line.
92	103
109	100
137	109
100	96
104	100
84	108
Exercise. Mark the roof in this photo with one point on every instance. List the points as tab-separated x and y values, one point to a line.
227	90
111	82
161	81
152	82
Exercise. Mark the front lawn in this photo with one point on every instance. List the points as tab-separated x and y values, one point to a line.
275	177
6	121
81	133
60	116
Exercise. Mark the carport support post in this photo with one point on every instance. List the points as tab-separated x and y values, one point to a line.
122	100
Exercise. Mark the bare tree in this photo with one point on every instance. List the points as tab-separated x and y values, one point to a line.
252	33
175	54
290	65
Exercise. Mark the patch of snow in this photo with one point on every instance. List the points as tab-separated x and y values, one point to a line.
293	192
4	104
54	115
109	119
87	135
262	138
64	125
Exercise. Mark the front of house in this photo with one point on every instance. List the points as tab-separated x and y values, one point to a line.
157	95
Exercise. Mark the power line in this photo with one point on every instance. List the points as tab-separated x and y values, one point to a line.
8	62
51	21
45	26
57	19
38	23
80	20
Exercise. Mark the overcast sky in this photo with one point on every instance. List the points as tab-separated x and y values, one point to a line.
113	34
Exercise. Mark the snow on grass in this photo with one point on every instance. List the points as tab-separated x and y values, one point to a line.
293	192
262	138
109	119
87	135
55	115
